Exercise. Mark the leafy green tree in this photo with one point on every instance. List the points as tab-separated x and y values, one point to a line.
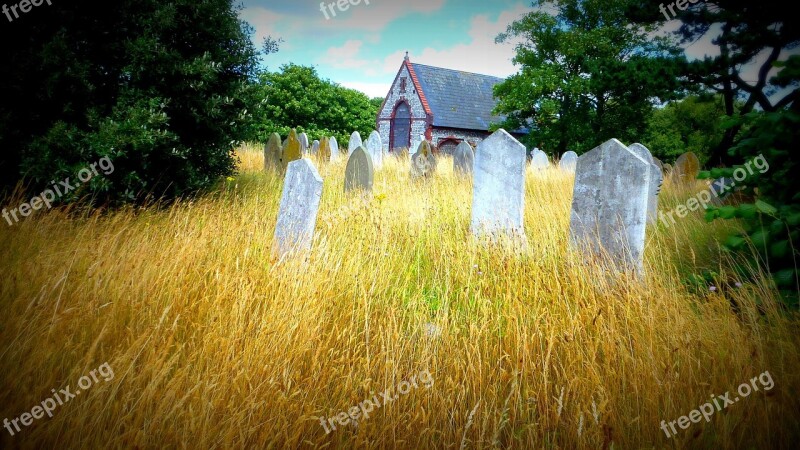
693	124
296	97
160	88
586	76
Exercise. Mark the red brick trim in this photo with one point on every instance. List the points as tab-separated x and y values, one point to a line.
418	88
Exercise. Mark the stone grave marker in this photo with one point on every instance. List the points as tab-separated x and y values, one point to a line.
314	148
569	161
355	142
498	199
292	149
375	149
297	216
273	152
686	168
303	143
360	173
656	179
609	204
324	152
539	160
423	162
463	159
334	149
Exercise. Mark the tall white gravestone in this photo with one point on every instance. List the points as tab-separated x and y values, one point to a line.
609	204
334	149
303	143
463	159
499	189
539	160
297	215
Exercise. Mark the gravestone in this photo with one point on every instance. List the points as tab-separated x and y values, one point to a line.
656	179
569	161
273	152
660	165
423	163
324	152
539	160
686	168
414	148
334	149
355	142
360	173
292	149
375	149
314	148
609	204
463	159
303	142
499	191
297	216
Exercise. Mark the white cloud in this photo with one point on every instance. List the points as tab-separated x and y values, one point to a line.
345	57
377	14
371	89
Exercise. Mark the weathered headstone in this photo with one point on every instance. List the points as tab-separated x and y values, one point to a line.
414	148
569	161
499	193
375	148
324	152
656	179
273	152
463	159
609	204
360	173
303	142
355	142
297	216
334	149
539	160
423	163
686	169
292	149
314	148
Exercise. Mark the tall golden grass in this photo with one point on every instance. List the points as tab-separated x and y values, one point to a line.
216	345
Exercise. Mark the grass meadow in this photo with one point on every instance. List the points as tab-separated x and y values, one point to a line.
214	344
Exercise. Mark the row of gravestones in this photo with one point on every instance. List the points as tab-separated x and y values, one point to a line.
615	195
278	155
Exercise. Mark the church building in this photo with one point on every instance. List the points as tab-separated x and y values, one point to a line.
445	106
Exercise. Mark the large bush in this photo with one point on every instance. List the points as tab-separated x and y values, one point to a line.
160	88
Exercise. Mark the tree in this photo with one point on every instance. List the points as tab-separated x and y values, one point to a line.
747	34
586	75
296	97
693	124
161	89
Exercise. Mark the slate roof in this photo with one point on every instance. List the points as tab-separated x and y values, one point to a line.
458	99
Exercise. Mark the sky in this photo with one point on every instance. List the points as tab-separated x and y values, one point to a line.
363	46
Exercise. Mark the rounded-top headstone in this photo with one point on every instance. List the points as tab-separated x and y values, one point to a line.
463	159
303	142
569	161
355	142
334	149
360	173
273	152
687	168
375	148
423	163
297	216
292	150
324	152
539	160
